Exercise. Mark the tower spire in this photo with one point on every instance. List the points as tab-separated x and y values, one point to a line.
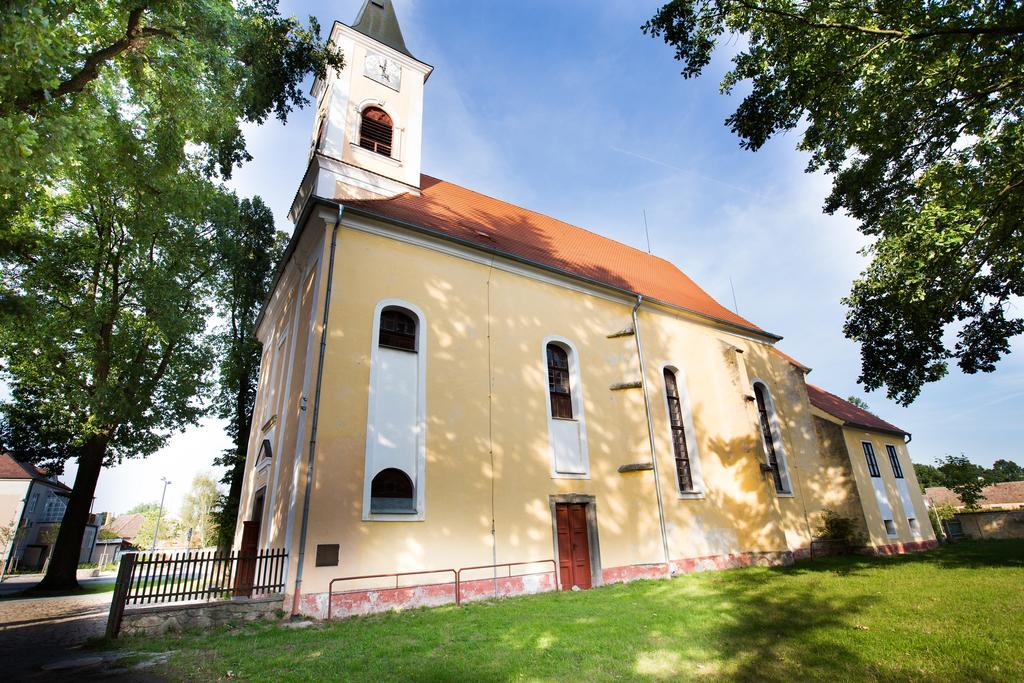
377	19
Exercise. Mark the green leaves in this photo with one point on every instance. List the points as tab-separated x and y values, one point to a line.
915	110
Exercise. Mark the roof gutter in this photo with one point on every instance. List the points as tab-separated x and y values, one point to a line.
311	460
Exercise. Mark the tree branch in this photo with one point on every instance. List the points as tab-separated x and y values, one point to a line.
134	36
871	30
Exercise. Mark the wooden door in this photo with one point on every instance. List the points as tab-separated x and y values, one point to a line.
573	545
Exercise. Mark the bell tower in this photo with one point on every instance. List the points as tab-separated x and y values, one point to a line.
368	128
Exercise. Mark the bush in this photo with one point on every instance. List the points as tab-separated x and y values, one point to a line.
835	527
939	513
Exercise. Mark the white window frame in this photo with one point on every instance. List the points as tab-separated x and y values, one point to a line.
692	449
780	445
419	481
576	396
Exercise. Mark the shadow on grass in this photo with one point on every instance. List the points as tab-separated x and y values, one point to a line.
961	555
833	618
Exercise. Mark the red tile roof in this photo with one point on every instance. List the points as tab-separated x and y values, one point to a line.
454	211
847	412
127	526
13	469
1008	493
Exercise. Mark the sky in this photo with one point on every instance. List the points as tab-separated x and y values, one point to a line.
568	109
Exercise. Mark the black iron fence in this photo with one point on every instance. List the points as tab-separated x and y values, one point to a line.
193	576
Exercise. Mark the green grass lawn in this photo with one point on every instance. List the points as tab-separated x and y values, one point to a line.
956	613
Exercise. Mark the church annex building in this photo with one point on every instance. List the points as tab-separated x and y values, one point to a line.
449	381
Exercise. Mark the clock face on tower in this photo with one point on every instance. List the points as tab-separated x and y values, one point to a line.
383	70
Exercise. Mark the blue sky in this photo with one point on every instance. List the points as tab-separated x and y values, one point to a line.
568	109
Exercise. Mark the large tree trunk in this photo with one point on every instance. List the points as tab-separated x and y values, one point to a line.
61	572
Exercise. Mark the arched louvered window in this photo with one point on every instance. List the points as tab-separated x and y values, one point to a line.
684	476
558	382
375	131
397	330
765	413
392	491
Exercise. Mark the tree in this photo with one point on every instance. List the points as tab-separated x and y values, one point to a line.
964	478
928	476
859	402
915	109
113	355
1004	470
119	113
151	512
200	66
197	510
249	247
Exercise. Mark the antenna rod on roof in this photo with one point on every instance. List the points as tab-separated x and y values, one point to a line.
735	306
646	231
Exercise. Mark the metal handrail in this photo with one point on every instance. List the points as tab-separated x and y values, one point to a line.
396	575
509	565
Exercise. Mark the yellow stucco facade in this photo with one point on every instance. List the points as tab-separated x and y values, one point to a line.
487	453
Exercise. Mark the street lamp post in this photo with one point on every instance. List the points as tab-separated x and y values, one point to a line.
156	533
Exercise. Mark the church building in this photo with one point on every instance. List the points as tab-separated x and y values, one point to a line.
450	381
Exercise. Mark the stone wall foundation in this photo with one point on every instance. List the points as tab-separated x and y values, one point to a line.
156	620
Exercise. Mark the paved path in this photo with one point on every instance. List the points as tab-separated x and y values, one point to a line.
39	630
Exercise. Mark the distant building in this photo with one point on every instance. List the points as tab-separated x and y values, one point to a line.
1009	494
32	505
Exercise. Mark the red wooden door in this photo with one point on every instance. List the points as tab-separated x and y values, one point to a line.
573	546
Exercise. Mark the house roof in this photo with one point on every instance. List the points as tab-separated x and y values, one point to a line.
847	412
377	19
456	212
126	526
13	469
1005	493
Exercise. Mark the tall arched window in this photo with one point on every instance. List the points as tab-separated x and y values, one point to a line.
395	465
558	382
375	131
567	428
684	476
772	444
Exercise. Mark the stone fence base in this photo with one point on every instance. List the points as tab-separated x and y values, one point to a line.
156	620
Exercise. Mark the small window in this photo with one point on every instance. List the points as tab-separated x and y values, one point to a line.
375	131
684	477
769	438
32	502
558	382
392	491
915	528
317	144
894	460
869	454
890	528
265	454
397	330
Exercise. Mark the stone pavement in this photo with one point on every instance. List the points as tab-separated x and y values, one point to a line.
36	631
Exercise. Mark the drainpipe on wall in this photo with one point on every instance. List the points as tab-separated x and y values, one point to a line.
650	434
316	415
